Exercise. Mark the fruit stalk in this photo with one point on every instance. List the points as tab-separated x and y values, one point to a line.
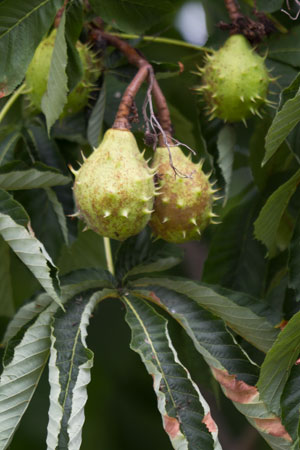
136	59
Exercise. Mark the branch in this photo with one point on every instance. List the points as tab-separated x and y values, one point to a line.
233	10
135	58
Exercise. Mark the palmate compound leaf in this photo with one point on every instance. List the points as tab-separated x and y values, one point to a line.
27	341
243	320
69	370
226	360
24	362
22	26
267	224
226	142
185	414
278	364
29	249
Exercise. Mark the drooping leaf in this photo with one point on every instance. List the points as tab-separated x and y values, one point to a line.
55	97
29	249
58	209
290	403
184	411
283	123
236	260
94	130
84	279
22	26
7	146
23	366
132	16
69	371
255	329
225	143
74	22
267	224
208	333
278	363
248	402
294	261
14	177
6	293
139	255
25	315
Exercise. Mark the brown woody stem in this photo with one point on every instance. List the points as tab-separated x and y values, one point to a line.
135	58
233	10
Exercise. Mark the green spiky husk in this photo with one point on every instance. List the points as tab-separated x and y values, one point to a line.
38	72
184	207
114	188
234	81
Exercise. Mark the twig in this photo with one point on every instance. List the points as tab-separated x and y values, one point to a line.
233	10
289	8
21	90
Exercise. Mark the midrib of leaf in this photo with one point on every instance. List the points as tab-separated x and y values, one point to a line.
24	17
152	347
71	367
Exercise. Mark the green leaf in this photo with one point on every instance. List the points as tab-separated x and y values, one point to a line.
132	16
86	251
267	224
180	403
139	254
22	372
29	249
69	371
74	23
22	26
84	279
236	260
269	5
290	403
55	97
12	177
58	209
278	363
209	334
95	124
7	146
6	293
226	142
285	48
294	261
25	315
283	123
252	327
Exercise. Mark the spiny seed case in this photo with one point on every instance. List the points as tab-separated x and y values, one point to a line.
114	189
184	207
234	81
38	73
